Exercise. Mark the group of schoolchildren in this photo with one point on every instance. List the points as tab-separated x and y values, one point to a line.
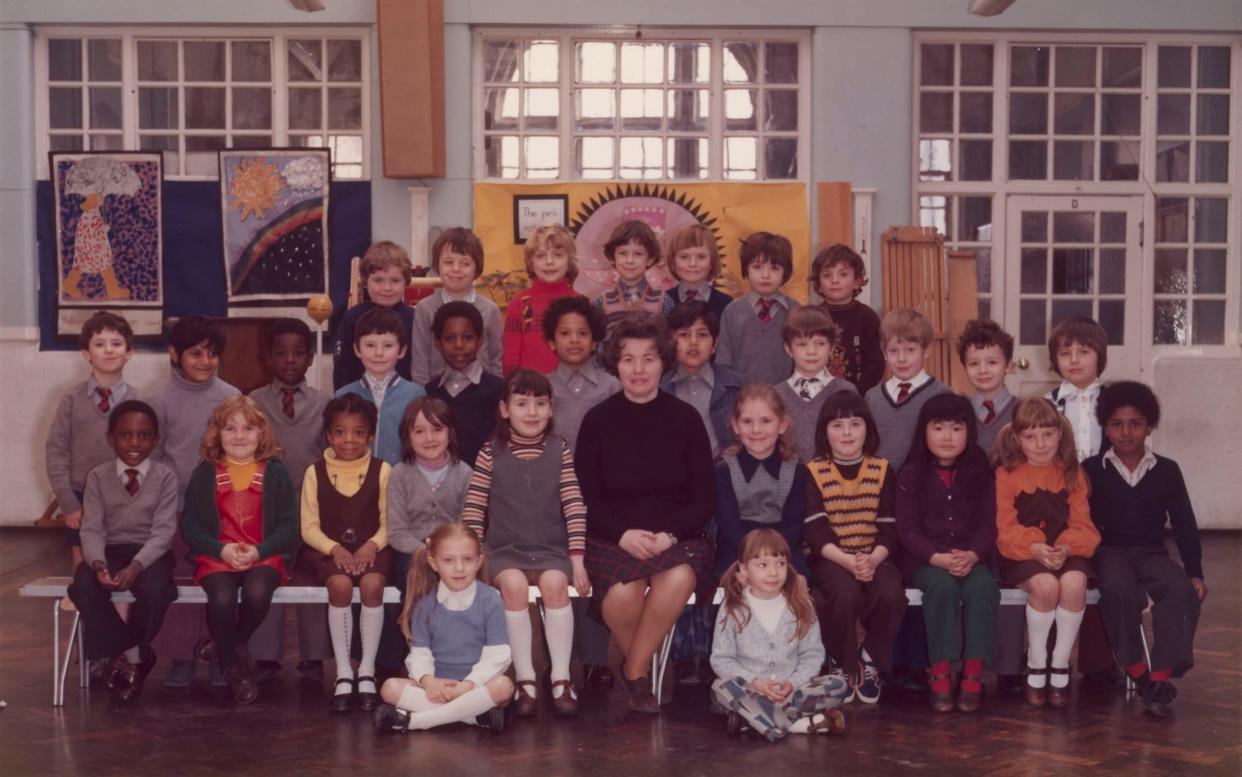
444	465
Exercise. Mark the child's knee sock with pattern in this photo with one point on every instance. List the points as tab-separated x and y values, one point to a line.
371	626
340	623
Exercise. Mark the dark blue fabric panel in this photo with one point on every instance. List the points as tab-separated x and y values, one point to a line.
194	250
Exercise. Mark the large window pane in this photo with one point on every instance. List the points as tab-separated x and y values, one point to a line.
1209	271
204	60
1074	113
780	159
976	64
157	60
344	60
305	60
1209	322
641	158
1123	67
1028	160
1119	160
501	108
1213	112
935	163
687	157
780	111
689	63
687	110
936	64
1028	113
500	61
542	157
741	158
251	60
595	158
642	63
1211	162
595	109
1213	67
642	109
104	56
936	112
1171	276
1028	66
541	108
595	62
204	107
1173	69
1119	114
541	61
105	107
1211	219
741	63
975	112
1075	66
64	59
1073	160
1170	326
64	107
252	108
976	159
780	63
158	107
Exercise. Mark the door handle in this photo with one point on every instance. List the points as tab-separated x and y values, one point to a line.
1023	363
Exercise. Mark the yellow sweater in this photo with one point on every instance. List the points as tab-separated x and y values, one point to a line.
347	479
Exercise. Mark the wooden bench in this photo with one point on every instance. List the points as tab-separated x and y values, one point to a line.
56	588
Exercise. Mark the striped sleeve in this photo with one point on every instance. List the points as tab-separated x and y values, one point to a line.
474	511
573	506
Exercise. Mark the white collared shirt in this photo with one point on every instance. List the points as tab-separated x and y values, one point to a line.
455	382
143	468
118	389
702	291
379	386
1078	407
893	385
447	296
456	600
814	384
1131	478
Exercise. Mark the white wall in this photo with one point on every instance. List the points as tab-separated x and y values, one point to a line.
861	110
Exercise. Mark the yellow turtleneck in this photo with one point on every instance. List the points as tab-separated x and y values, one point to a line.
240	472
347	477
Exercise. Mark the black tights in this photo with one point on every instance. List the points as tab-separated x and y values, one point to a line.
230	625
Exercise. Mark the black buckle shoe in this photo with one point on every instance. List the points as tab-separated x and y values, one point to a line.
343	702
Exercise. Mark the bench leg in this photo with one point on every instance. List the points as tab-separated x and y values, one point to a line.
57	699
84	666
659	663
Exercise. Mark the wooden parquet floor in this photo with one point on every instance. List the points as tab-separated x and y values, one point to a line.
289	732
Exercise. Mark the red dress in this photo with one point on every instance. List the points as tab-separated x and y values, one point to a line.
241	521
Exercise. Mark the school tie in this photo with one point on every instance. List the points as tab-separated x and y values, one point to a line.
805	385
105	398
765	310
131	482
903	392
991	416
691	295
286	403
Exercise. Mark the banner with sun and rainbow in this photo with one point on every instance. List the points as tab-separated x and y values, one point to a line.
274	204
503	213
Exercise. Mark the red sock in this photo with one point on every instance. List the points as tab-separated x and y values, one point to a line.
1136	669
1160	675
941	684
972	667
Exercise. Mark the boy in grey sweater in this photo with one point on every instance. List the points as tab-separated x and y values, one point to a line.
182	407
750	327
810	339
77	441
905	335
128	522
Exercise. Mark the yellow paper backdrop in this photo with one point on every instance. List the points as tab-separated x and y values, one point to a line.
738	209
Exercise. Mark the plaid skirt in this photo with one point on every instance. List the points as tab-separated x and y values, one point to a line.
608	564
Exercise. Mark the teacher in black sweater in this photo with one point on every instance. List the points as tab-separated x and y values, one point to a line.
644	463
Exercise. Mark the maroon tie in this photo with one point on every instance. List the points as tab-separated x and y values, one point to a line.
765	310
691	295
105	398
903	392
286	404
131	484
991	416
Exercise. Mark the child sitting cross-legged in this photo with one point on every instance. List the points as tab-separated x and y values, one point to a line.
459	648
767	651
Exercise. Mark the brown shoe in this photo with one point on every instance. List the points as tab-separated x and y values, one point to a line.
1058	697
941	701
525	705
1036	697
241	683
968	701
565	705
641	698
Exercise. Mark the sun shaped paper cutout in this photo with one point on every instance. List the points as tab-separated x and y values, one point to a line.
255	187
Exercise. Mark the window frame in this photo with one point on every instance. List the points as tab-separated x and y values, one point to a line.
1001	188
280	84
567	135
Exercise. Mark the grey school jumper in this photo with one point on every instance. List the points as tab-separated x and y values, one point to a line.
184	407
574	392
78	442
111	516
896	423
300	437
804	413
416	508
751	347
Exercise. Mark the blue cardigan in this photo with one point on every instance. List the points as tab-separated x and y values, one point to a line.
720	408
387	445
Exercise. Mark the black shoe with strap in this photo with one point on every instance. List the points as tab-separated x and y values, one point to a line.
388	718
343	702
366	699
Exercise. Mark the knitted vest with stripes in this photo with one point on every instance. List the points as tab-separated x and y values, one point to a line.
851	505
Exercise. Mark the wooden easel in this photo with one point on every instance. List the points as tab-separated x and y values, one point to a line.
914	277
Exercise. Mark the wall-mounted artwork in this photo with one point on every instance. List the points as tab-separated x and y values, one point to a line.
274	204
108	235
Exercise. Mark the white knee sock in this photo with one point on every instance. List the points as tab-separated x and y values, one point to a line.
1038	624
558	627
463	709
414	699
518	622
370	624
340	622
133	655
1067	632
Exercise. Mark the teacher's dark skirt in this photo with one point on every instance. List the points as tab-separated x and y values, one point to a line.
1013	573
608	564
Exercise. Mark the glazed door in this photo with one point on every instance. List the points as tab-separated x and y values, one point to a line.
1067	256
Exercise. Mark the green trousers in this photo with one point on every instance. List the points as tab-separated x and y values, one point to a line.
947	601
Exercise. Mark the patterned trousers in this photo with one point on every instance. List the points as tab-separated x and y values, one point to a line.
772	719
